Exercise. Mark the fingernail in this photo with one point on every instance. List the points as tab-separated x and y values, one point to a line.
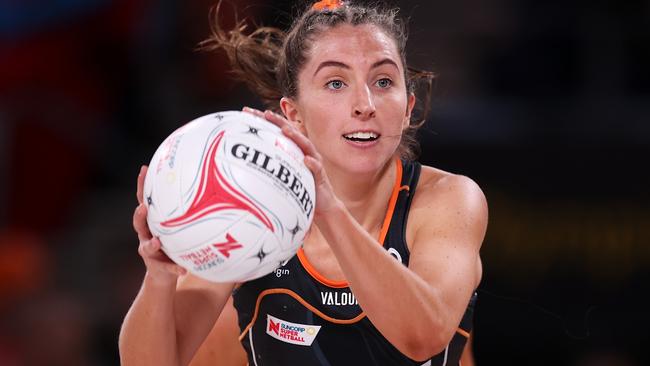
246	109
141	169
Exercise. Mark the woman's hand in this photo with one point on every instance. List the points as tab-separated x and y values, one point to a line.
325	197
159	267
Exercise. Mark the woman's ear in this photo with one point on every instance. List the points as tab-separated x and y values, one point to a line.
409	109
291	112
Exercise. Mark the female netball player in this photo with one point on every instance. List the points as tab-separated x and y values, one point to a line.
387	273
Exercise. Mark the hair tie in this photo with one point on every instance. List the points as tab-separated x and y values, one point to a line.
327	5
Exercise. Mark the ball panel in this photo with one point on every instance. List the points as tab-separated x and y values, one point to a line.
281	207
228	257
286	180
258	262
200	232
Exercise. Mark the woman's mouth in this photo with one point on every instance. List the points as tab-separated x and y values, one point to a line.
361	136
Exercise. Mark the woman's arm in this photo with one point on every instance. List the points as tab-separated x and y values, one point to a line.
222	346
166	325
418	308
171	315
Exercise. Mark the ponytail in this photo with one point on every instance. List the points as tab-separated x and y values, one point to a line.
253	55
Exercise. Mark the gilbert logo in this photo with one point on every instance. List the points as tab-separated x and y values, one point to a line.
300	334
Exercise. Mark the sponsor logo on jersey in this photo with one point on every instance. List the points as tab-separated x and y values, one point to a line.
338	298
294	333
279	272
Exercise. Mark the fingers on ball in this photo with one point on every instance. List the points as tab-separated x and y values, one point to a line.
140	184
140	223
149	248
275	118
253	111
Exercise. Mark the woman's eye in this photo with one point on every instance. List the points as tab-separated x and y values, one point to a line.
384	83
335	84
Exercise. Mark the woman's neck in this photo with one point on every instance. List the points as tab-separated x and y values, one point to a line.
366	196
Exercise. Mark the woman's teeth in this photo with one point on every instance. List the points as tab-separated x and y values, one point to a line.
361	136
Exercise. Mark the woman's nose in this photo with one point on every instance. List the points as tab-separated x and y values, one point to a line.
364	106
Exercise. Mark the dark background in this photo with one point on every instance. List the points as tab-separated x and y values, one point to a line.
546	104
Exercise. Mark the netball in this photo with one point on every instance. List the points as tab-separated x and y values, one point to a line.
229	197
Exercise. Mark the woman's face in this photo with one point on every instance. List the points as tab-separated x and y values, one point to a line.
352	101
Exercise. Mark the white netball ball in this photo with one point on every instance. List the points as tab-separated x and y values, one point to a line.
229	196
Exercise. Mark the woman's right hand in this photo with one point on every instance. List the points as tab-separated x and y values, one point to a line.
160	268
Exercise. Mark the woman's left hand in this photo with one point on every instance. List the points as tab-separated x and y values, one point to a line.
325	197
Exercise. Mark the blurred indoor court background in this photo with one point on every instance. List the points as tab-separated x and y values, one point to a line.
546	104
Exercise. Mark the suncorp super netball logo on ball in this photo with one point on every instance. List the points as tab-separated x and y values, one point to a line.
294	333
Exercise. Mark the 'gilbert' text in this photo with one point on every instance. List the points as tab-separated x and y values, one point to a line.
279	171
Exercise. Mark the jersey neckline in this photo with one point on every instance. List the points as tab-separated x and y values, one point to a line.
313	272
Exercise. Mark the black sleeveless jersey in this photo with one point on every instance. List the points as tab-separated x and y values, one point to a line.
296	316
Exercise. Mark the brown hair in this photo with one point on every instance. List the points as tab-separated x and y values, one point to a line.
269	60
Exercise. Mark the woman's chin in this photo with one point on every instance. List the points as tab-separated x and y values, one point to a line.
363	164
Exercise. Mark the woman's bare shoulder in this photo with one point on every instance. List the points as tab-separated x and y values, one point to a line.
439	182
441	194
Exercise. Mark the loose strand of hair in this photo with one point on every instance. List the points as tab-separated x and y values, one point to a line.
416	79
252	56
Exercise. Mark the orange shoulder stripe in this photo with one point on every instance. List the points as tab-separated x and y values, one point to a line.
462	332
317	275
391	202
382	234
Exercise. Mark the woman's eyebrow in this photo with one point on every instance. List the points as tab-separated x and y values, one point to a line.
385	61
331	64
